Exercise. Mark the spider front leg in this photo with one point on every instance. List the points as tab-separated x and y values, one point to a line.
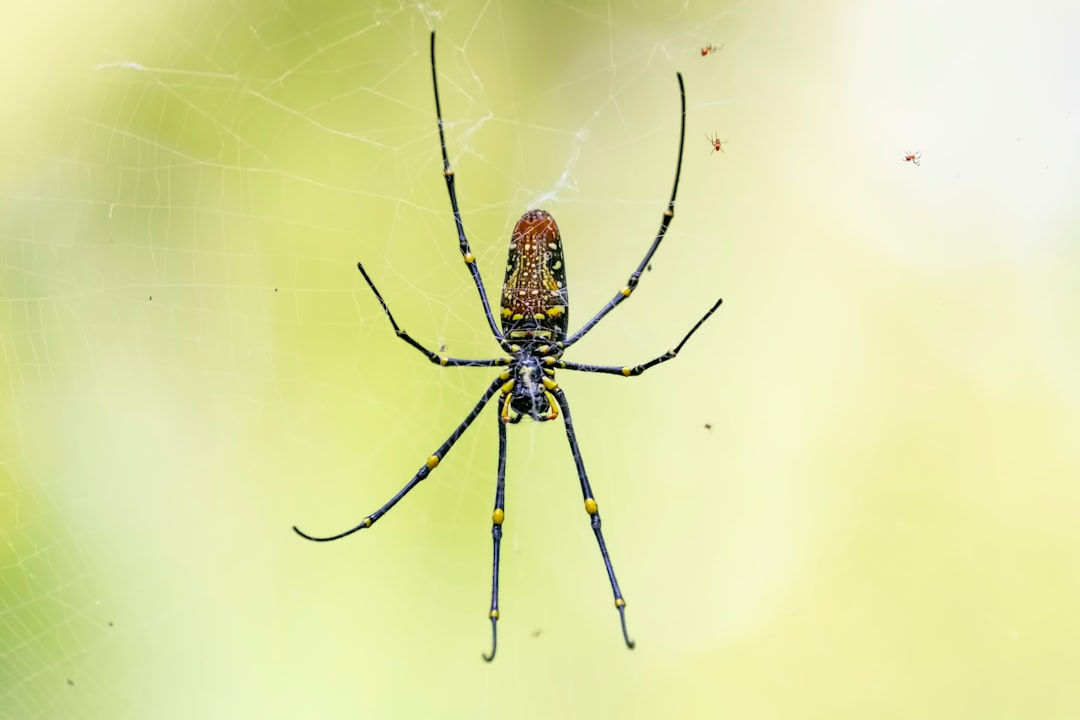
437	359
448	175
497	517
430	464
593	511
636	369
665	222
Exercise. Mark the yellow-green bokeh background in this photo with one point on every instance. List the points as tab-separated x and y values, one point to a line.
882	520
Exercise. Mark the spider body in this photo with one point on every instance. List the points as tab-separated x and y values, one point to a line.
912	158
533	317
534	297
716	142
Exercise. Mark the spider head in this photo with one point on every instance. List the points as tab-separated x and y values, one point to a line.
534	298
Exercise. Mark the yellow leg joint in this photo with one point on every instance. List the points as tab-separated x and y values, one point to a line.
367	522
619	602
432	462
469	258
494	614
626	371
590	506
625	292
497	516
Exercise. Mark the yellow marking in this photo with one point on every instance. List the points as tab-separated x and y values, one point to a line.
504	414
625	292
626	371
432	462
539	316
553	246
506	312
367	522
551	404
550	360
443	360
556	266
669	213
517	316
497	516
507	386
534	291
556	311
549	372
529	333
590	506
542	349
448	172
619	602
469	258
549	384
494	614
515	349
504	375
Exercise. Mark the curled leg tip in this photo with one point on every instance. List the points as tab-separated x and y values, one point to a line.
494	642
622	621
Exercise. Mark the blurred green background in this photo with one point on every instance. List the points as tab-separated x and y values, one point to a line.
855	494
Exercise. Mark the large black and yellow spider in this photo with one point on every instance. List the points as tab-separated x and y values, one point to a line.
533	336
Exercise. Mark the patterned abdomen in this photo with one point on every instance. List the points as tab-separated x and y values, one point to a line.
534	292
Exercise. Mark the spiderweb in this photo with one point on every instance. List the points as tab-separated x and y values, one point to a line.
191	363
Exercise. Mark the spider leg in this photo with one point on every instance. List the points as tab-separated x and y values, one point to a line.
637	369
593	511
433	357
669	213
496	532
448	173
430	464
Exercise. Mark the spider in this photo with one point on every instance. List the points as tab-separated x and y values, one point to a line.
533	335
710	49
912	158
716	144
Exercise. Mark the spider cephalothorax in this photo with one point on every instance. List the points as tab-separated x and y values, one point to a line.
533	315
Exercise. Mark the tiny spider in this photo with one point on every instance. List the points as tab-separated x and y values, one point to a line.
715	142
708	49
912	157
533	335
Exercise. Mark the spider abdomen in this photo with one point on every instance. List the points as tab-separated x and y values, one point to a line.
534	298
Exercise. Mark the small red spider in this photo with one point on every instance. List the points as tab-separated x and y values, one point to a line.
912	157
716	144
710	49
